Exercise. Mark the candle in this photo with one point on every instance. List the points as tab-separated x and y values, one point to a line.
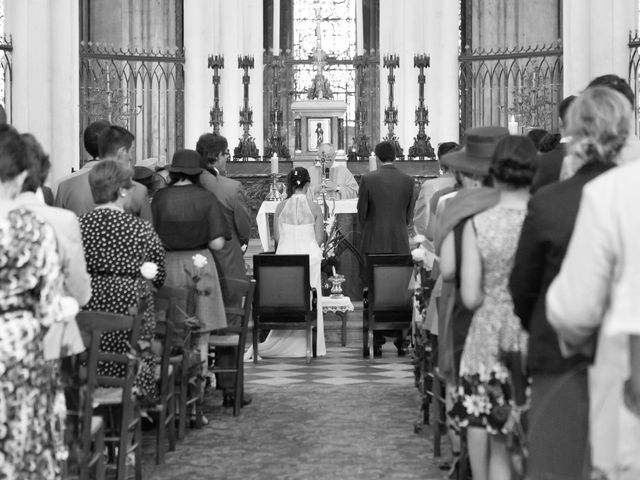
373	165
276	27
513	125
359	30
333	269
274	164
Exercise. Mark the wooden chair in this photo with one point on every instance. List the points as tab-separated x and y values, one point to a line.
165	307
283	298
107	392
387	301
237	339
184	360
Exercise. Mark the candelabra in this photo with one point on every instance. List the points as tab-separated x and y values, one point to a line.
275	143
215	113
247	146
391	112
360	140
421	146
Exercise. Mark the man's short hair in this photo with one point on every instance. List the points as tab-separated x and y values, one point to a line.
563	107
210	145
385	151
90	136
446	147
112	138
617	83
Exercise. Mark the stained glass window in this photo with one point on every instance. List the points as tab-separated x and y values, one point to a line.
335	21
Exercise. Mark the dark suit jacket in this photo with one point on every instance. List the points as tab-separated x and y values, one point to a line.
549	165
543	243
74	194
385	208
230	259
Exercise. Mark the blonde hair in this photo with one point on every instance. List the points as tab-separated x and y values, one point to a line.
598	122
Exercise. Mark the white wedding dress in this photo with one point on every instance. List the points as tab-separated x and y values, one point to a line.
296	225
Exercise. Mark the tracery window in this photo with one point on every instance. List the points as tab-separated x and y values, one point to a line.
335	23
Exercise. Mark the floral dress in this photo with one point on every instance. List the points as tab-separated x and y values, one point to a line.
32	407
485	394
116	244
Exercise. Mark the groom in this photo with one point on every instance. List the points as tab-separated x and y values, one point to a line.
385	208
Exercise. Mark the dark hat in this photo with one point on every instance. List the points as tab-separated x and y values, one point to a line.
186	161
475	157
141	173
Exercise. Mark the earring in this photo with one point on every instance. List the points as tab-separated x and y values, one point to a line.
122	194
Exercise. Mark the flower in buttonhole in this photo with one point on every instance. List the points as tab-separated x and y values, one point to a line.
199	261
149	270
419	239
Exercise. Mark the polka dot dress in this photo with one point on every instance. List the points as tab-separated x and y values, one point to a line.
116	244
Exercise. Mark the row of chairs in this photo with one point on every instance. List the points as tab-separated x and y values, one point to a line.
109	413
283	299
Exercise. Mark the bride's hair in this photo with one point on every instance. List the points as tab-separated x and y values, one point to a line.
297	179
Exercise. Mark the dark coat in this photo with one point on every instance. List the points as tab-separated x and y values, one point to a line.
385	208
549	166
543	243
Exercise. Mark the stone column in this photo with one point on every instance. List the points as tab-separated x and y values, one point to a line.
200	24
595	40
45	76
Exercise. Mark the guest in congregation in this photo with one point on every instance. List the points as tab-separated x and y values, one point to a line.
340	184
447	180
536	135
597	121
631	149
298	229
595	294
550	163
114	143
214	153
116	244
31	397
495	342
191	224
90	141
77	282
385	210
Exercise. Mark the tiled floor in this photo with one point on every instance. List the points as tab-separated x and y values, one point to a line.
341	366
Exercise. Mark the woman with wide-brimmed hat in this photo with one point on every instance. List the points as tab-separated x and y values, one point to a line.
190	224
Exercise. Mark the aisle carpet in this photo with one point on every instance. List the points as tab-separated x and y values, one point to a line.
342	418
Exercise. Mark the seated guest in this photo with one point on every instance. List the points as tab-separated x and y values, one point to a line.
114	143
214	153
31	417
190	222
77	282
116	244
340	183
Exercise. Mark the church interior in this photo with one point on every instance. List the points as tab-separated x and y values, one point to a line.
302	86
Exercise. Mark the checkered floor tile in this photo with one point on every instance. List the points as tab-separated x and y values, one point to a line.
341	366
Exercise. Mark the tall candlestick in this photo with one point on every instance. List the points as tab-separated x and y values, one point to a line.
274	164
513	125
373	165
359	29
276	27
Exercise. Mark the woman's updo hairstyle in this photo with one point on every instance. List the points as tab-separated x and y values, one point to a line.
514	161
598	122
296	179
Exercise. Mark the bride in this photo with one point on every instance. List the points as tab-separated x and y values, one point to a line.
298	229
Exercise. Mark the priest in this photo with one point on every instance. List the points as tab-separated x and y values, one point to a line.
340	183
